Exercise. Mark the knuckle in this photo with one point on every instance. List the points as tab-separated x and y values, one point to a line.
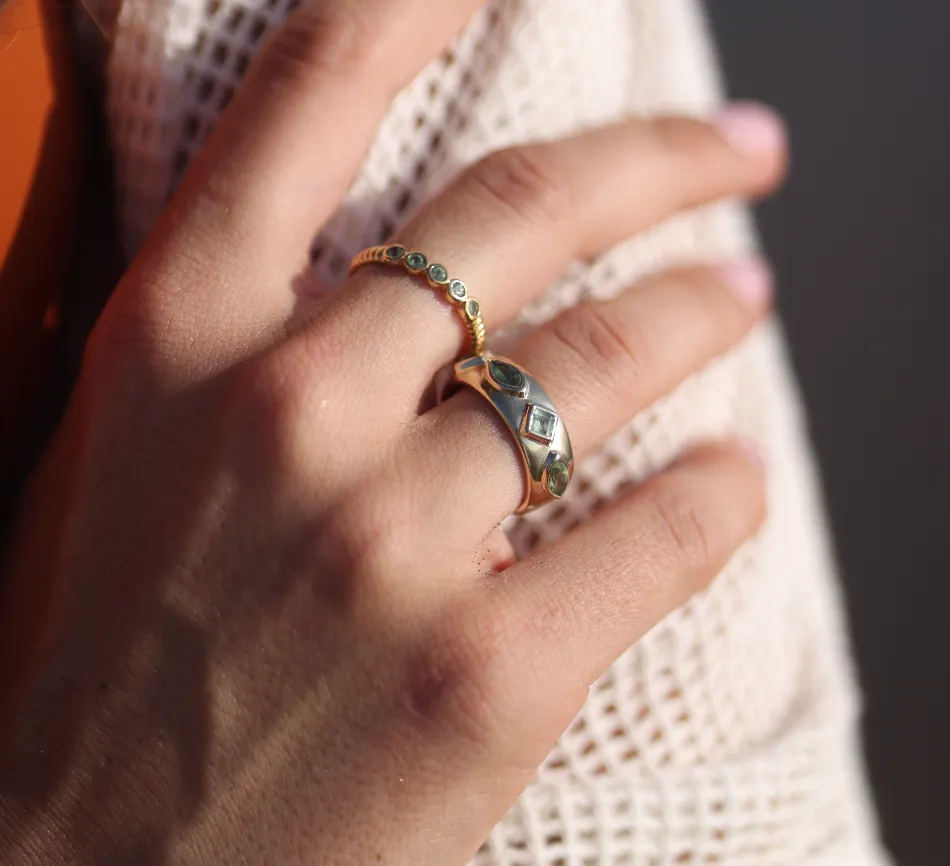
383	542
367	554
338	39
526	182
115	339
683	533
150	329
460	682
613	356
269	397
139	346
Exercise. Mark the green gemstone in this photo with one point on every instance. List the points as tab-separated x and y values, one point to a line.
458	290
472	308
438	274
558	477
541	423
416	261
509	377
394	253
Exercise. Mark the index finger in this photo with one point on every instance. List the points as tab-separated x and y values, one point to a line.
220	268
295	133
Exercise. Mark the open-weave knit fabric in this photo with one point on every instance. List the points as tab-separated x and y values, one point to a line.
728	734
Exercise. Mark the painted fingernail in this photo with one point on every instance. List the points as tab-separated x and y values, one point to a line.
751	128
753	450
749	279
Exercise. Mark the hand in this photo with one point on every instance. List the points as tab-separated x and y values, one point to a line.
253	611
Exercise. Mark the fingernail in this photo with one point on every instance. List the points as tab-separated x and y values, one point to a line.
754	452
749	279
751	128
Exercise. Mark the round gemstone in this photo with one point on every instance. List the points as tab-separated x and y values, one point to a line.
438	274
458	290
559	474
472	308
507	375
417	261
394	253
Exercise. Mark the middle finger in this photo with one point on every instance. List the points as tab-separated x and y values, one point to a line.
510	225
602	363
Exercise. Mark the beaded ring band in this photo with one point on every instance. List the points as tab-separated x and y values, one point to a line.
455	291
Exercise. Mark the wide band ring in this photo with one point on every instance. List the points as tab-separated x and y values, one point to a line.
437	276
527	411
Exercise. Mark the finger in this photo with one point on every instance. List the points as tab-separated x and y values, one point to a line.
222	262
574	607
601	363
295	134
495	554
510	224
517	653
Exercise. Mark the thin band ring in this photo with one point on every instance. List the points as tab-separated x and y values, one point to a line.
437	276
527	411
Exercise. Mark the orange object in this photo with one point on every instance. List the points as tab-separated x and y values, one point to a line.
39	187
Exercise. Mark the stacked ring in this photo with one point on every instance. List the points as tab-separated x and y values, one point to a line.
455	291
527	411
523	405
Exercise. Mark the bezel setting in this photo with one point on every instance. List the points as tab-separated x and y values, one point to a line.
557	474
540	423
507	377
458	291
416	262
438	275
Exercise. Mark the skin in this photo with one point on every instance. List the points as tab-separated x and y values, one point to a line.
253	606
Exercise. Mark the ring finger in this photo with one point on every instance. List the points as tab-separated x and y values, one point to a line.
601	363
511	223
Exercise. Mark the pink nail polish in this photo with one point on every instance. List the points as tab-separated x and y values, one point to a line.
751	128
753	450
749	279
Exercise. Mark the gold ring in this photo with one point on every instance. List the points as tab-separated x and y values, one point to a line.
455	291
527	411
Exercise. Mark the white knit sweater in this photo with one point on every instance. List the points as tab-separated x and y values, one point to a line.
728	734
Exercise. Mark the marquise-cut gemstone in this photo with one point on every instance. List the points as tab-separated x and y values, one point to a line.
559	475
541	423
508	376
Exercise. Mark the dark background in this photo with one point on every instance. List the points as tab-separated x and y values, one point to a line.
861	241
